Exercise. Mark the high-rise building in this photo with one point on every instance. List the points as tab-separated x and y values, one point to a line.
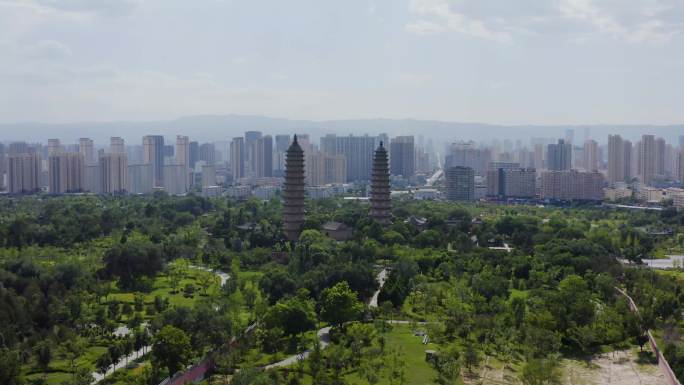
113	173
153	153
505	180
357	150
559	156
466	154
402	156
86	148
251	138
140	179
237	158
293	192
17	148
183	150
208	175
194	154
680	165
264	157
618	162
381	204
325	169
591	155
282	142
572	185
117	145
207	153
23	173
647	159
66	173
176	179
54	147
460	183
660	156
93	178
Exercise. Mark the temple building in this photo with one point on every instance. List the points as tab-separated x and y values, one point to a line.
381	205
293	191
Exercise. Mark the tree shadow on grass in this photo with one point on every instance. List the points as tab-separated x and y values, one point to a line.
646	358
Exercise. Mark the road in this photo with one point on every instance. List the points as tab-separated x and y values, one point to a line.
381	278
323	338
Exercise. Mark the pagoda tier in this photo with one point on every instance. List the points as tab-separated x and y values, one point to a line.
381	205
293	191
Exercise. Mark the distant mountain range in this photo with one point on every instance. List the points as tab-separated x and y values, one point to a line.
225	127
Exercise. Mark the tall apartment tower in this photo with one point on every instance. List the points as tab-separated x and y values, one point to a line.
403	156
647	159
194	154
153	153
264	157
54	147
358	150
183	150
660	156
282	142
207	153
680	165
113	173
251	138
381	205
23	173
293	191
86	149
237	158
460	183
591	155
559	156
66	173
616	159
117	145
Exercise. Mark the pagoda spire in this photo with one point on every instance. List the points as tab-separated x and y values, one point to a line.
381	205
293	191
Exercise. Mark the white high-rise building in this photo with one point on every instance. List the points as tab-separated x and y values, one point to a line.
176	179
86	149
66	173
113	173
140	179
117	145
591	155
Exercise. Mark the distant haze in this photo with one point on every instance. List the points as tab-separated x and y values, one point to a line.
513	62
225	127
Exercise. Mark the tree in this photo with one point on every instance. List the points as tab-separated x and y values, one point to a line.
171	349
71	350
206	279
471	357
294	316
133	260
371	366
541	372
103	363
10	367
339	304
43	356
397	368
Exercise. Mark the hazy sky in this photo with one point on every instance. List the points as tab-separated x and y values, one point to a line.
493	61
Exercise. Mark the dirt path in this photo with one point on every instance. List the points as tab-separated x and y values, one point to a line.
612	368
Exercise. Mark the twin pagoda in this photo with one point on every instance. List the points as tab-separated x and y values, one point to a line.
294	192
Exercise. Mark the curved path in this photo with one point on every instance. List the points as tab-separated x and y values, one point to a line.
122	331
324	333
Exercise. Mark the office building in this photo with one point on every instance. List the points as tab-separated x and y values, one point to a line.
66	173
153	153
113	173
590	155
282	142
293	192
572	185
646	164
87	150
140	179
381	205
326	169
23	173
402	156
117	145
559	156
237	158
208	175
194	154
264	157
460	183
466	154
357	150
207	153
54	147
176	179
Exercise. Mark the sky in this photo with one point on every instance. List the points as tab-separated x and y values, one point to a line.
491	61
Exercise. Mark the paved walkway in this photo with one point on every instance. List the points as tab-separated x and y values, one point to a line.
323	338
381	278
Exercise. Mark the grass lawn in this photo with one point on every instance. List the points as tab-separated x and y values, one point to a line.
60	369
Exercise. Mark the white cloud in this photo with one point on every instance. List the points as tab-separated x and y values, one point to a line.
633	21
47	49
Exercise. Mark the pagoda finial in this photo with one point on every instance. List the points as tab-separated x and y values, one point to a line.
381	143
295	138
